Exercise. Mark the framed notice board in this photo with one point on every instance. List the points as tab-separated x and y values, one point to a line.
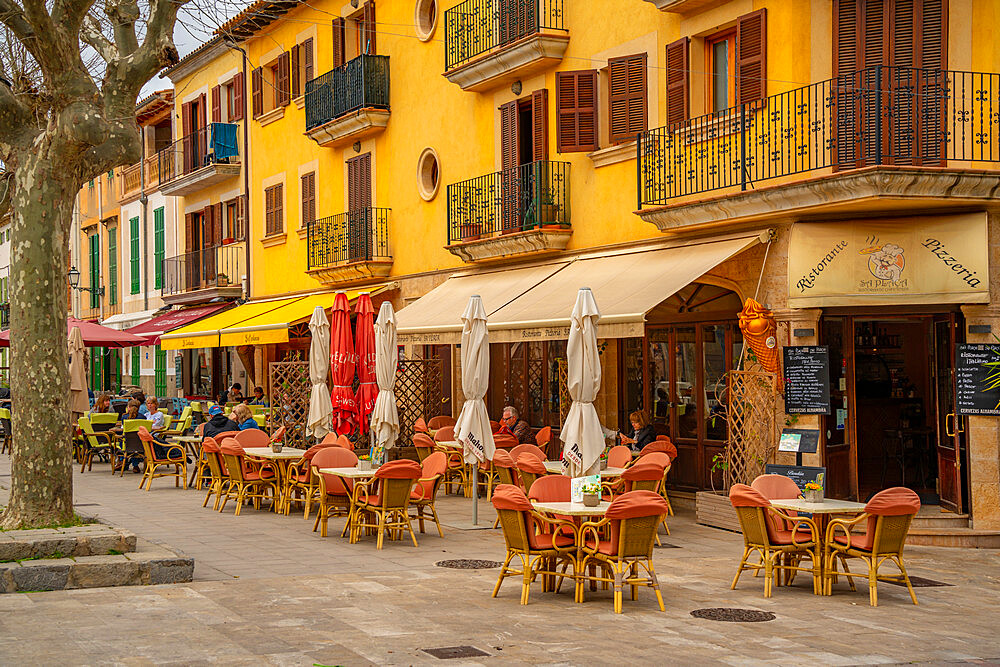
973	395
807	379
798	474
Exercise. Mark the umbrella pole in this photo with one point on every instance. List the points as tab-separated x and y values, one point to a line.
475	494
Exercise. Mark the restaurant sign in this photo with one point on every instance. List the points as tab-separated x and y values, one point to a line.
939	259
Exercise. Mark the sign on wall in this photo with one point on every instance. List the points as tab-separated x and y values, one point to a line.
935	259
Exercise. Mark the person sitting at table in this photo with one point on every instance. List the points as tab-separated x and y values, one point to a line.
102	404
141	397
510	424
243	417
131	412
258	397
642	431
218	423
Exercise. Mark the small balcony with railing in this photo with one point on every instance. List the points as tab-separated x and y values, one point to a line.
491	43
207	156
889	136
199	276
133	180
519	211
349	102
349	247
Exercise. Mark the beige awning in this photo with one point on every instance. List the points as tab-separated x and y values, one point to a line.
534	303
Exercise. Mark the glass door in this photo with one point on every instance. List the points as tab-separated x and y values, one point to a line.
950	426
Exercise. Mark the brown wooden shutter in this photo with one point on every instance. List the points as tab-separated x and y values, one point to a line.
189	236
208	227
338	42
627	96
368	44
751	57
845	37
239	103
540	125
187	141
257	91
217	224
308	187
874	42
359	182
283	80
307	61
217	104
678	81
508	135
576	111
296	81
933	27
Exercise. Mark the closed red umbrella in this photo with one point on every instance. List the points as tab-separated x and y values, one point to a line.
94	335
342	360
367	387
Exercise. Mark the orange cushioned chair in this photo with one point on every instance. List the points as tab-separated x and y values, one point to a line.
383	502
420	426
424	445
632	518
530	468
553	489
334	492
504	441
664	446
777	487
494	426
252	437
301	481
440	421
175	457
244	483
445	434
425	490
619	456
218	479
527	449
203	461
644	476
506	468
764	533
536	549
888	515
544	440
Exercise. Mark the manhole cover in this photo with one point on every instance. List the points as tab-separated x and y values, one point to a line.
451	652
917	582
733	615
468	564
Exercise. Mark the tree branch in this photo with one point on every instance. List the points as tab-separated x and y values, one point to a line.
90	34
123	15
70	13
13	17
16	120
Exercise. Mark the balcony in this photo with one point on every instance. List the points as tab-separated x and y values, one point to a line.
884	136
202	158
202	275
490	43
349	247
348	103
520	211
130	184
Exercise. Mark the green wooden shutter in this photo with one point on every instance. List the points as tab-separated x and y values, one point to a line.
160	372
134	254
136	364
159	247
113	266
117	366
95	270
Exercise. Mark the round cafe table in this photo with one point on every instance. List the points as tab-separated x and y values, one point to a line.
281	462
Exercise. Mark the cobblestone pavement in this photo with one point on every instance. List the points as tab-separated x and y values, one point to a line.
267	590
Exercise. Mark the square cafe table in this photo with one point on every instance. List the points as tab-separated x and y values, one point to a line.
350	473
282	459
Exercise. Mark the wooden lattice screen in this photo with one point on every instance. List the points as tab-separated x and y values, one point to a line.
564	399
753	432
419	393
289	391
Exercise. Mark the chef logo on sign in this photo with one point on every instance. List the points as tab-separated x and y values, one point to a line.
886	263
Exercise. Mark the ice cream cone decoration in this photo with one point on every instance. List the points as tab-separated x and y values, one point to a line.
759	328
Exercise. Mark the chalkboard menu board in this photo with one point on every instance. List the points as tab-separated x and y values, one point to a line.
807	380
179	372
972	397
798	474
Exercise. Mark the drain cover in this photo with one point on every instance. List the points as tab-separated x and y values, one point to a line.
917	582
733	615
468	564
451	652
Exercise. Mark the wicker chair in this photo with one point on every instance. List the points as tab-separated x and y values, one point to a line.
300	481
244	483
444	434
540	551
252	437
211	454
175	456
103	421
334	492
425	490
619	456
94	443
182	425
439	422
420	426
888	515
424	445
632	520
457	474
200	476
383	502
129	447
504	441
764	533
530	469
544	440
8	432
505	470
527	449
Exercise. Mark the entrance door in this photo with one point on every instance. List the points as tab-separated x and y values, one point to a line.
950	426
838	428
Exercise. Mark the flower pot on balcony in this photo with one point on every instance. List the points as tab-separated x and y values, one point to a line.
222	280
228	241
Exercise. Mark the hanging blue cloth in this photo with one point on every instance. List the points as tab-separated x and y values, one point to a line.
224	140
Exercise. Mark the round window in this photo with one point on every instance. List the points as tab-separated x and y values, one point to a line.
425	19
428	174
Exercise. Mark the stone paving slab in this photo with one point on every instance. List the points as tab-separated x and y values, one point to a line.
268	590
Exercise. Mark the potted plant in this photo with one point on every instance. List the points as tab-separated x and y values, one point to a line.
276	447
604	459
592	495
364	463
813	492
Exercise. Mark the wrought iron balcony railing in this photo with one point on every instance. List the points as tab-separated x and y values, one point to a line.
216	143
360	83
513	200
477	26
218	266
355	236
876	116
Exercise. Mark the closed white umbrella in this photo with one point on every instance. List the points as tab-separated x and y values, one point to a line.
79	401
473	426
582	436
320	421
385	417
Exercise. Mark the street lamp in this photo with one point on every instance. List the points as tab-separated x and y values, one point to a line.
74	282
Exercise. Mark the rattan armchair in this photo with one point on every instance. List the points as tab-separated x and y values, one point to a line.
175	456
211	454
530	469
382	503
245	484
432	470
94	443
334	493
128	447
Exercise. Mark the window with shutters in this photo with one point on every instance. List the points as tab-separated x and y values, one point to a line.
751	57
136	364
720	55
160	371
95	269
576	111
307	185
159	247
133	264
626	97
112	266
233	226
274	202
302	69
678	81
271	85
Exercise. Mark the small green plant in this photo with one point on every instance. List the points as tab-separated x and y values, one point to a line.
719	464
591	489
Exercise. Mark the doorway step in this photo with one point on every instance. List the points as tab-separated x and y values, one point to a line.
936	527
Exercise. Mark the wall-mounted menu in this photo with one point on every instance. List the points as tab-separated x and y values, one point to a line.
972	384
807	379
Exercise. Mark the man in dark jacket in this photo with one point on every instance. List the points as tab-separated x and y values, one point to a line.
218	423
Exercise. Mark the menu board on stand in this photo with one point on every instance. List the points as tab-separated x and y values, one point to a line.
807	379
975	392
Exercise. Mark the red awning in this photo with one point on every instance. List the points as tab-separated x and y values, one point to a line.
94	335
151	330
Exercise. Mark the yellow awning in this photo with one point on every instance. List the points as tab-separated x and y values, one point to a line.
205	333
